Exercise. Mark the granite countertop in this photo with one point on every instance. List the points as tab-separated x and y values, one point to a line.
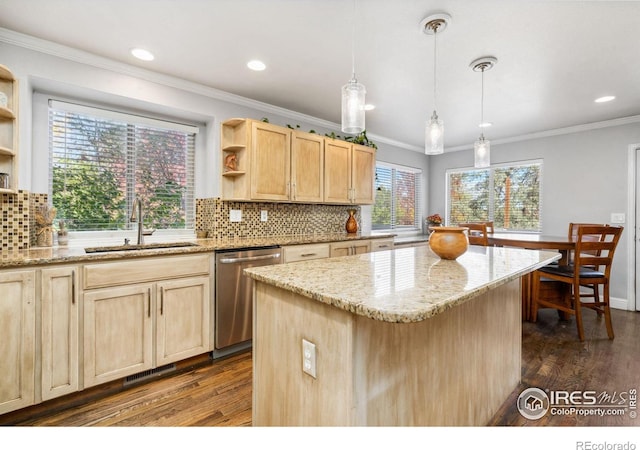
403	285
75	253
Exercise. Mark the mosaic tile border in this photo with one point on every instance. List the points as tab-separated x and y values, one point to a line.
14	217
212	215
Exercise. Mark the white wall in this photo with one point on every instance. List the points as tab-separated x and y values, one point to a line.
585	179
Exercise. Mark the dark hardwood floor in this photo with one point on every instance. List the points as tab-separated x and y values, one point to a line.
218	393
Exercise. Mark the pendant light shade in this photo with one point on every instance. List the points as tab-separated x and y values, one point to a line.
481	152
482	147
434	136
353	93
434	129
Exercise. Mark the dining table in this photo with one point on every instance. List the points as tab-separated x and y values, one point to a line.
534	241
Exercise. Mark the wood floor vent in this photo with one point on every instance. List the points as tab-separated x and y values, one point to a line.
147	374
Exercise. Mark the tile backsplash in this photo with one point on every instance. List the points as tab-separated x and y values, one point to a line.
14	217
212	215
17	230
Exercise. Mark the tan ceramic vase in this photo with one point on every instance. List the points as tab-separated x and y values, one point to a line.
352	224
448	242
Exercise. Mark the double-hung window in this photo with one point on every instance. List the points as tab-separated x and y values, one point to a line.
507	194
101	161
397	204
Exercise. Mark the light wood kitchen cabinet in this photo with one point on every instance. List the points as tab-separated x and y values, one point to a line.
266	162
256	161
17	340
170	295
304	252
8	130
59	331
183	326
378	245
349	172
118	333
307	167
363	174
347	248
270	162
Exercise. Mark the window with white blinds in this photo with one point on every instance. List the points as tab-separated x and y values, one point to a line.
100	161
397	204
507	194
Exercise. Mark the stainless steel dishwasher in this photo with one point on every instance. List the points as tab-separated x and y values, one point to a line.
234	302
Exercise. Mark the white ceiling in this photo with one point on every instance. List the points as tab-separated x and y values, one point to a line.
554	57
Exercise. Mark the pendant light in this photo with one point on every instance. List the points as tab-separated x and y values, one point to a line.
353	92
482	147
434	130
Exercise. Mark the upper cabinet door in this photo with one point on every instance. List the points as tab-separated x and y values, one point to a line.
307	167
337	171
270	162
363	167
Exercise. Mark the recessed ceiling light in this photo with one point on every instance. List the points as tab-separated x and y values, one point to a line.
141	53
485	124
256	65
606	98
369	107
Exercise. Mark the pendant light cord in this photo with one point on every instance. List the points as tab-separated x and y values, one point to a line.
353	42
482	105
435	47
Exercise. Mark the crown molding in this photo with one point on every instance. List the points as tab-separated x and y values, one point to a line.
80	56
556	132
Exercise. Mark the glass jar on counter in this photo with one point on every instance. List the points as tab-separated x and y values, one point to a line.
4	180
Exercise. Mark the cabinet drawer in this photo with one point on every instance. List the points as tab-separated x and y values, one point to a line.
381	244
143	270
305	252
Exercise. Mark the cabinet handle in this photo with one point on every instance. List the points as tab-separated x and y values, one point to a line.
73	287
383	246
293	190
305	255
149	303
162	300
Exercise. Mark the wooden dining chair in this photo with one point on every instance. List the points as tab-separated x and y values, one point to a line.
477	233
592	260
573	234
489	225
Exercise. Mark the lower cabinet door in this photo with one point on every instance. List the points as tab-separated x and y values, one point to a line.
60	321
182	311
118	332
17	340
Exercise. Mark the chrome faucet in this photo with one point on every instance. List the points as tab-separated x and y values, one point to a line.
136	216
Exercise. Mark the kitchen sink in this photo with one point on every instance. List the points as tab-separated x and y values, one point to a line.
128	247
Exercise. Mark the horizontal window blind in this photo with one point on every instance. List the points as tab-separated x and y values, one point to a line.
508	195
397	204
99	165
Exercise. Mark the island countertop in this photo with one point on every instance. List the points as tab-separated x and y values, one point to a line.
403	285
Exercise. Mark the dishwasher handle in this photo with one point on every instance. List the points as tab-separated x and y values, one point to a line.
249	258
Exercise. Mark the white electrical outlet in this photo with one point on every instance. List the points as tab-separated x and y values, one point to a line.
235	215
309	358
264	215
617	217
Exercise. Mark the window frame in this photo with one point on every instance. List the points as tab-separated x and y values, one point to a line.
41	165
418	193
491	168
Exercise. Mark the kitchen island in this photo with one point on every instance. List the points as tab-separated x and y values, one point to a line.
401	337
